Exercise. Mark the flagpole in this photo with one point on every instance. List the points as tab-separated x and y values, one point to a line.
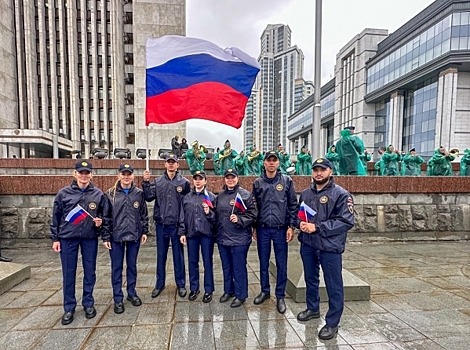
235	201
305	212
147	160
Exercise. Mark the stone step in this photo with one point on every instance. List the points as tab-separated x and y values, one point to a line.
12	274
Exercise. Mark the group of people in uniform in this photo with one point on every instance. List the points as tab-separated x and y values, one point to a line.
193	216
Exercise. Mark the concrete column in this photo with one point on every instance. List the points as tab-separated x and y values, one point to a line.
446	105
395	124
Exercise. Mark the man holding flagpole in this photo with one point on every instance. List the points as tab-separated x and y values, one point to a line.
326	215
80	214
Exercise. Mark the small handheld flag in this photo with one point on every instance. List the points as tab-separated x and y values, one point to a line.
305	212
77	215
207	199
239	204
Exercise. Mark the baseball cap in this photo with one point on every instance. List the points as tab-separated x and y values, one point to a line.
171	156
322	163
271	154
200	173
230	171
126	167
83	165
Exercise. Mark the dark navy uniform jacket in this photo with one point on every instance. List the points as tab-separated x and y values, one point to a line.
93	200
229	233
276	201
335	217
193	220
130	214
168	195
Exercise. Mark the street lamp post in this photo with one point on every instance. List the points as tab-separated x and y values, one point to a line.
316	119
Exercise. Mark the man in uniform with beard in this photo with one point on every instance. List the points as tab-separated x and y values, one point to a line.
328	215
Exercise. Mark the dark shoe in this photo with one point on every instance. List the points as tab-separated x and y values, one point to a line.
327	332
226	297
237	302
281	306
135	300
157	291
261	298
308	315
193	295
207	298
118	308
182	292
90	312
67	318
5	259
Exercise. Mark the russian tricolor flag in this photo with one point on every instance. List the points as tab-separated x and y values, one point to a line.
305	212
194	78
76	215
239	203
207	199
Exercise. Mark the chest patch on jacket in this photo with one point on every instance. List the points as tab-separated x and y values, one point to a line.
279	187
136	204
179	189
323	199
232	202
92	205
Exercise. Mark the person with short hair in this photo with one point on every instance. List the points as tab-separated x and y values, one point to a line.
196	232
326	215
80	214
276	201
168	191
130	229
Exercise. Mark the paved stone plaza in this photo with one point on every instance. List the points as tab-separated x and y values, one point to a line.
420	299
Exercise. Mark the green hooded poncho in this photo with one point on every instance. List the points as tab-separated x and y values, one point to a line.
333	157
440	164
349	148
411	165
465	162
304	163
391	160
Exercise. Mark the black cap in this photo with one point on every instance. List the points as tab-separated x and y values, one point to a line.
126	167
413	149
200	173
271	154
231	171
171	156
350	127
83	165
322	163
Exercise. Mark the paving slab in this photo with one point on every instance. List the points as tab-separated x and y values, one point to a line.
12	274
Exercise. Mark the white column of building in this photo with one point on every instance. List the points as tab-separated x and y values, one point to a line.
53	106
43	66
63	111
93	51
446	103
104	75
85	81
395	126
73	94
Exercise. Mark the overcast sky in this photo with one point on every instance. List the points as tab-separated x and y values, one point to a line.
240	23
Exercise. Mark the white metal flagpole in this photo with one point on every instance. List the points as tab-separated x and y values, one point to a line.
147	160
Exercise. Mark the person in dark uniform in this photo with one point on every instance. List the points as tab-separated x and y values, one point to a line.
130	228
196	231
329	209
276	200
167	191
80	214
235	212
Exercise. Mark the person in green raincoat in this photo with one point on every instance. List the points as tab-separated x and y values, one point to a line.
284	159
195	157
365	157
254	162
304	162
333	157
440	163
379	165
226	157
349	148
391	160
411	165
465	162
241	164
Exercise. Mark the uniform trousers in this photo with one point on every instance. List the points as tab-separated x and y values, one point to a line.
234	269
205	244
331	264
118	249
264	236
69	258
165	235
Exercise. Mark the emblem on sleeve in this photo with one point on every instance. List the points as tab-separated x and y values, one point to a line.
136	204
323	199
279	187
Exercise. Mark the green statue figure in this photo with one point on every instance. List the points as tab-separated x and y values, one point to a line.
391	159
465	162
284	159
333	157
241	164
226	157
304	162
349	147
254	161
195	157
411	165
440	163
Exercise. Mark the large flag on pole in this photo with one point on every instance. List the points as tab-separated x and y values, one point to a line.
194	78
